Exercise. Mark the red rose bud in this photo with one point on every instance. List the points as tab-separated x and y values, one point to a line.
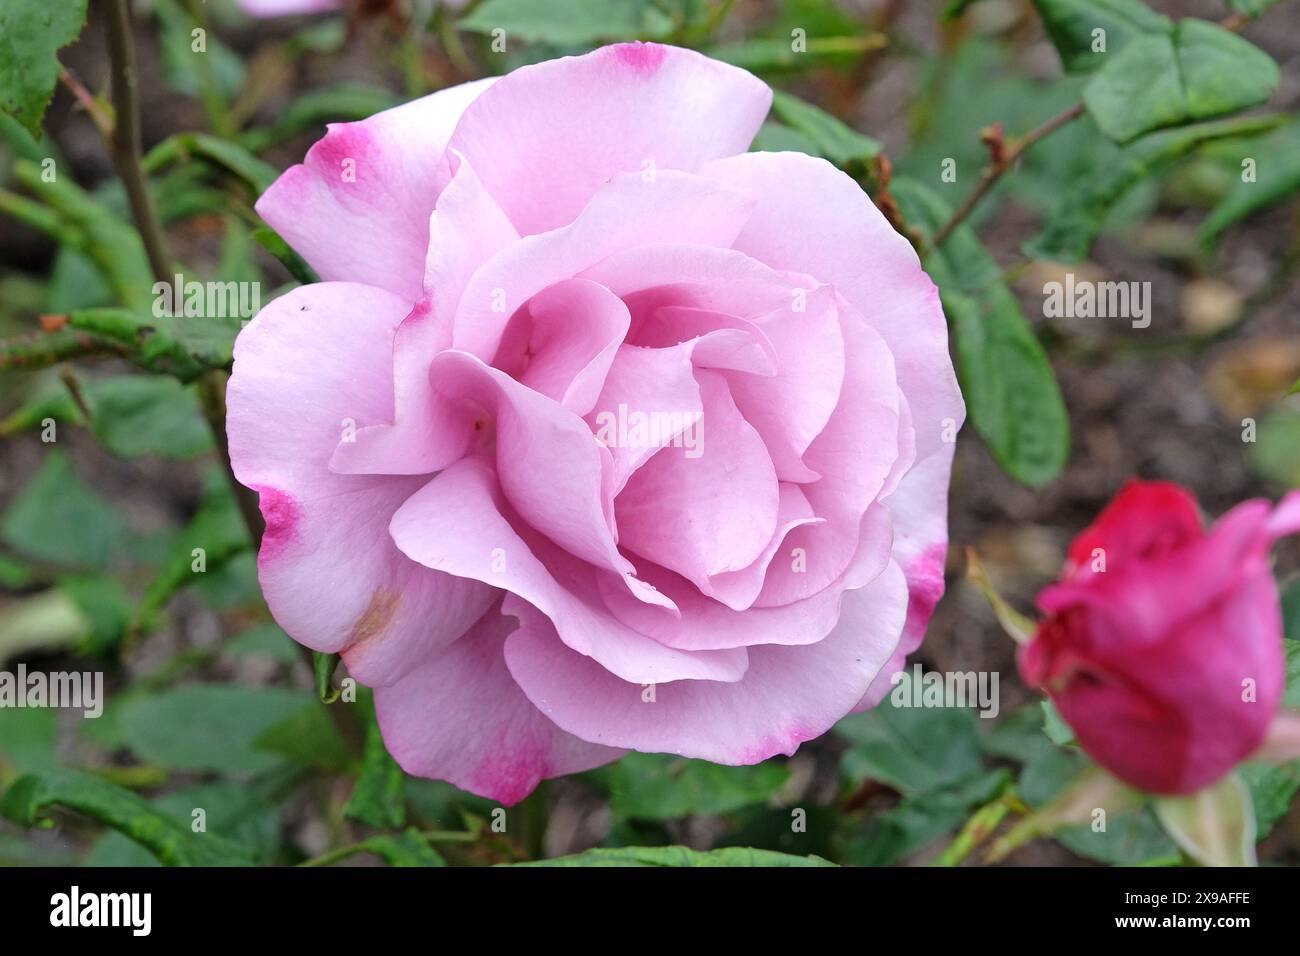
1163	642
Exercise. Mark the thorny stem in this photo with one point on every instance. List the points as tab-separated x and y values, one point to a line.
125	139
125	144
43	349
981	825
352	849
1004	159
1001	161
94	109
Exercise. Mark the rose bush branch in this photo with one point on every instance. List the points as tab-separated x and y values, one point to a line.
1003	156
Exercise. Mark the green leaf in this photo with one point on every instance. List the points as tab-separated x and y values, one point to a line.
59	520
31	34
1070	25
404	849
1252	8
1092	793
147	416
919	820
217	533
1077	219
1272	788
1010	388
236	812
915	750
1291	647
834	140
216	71
569	22
325	665
1197	72
272	242
678	856
307	737
1277	178
779	138
75	218
379	798
663	787
207	726
14	575
1054	725
408	848
1275	453
1216	826
768	54
170	840
230	156
28	738
105	605
132	415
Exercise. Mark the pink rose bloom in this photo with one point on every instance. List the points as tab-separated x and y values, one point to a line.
293	8
602	433
288	8
1163	648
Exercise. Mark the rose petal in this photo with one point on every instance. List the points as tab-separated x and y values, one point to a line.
455	524
357	207
625	213
630	107
499	746
788	695
567	343
333	579
814	219
466	229
854	455
706	509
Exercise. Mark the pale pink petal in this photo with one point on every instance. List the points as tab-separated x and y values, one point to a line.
652	276
739	589
788	695
919	509
643	383
854	455
791	409
358	206
812	218
499	745
706	624
310	361
466	229
566	342
456	524
724	341
552	133
549	465
706	509
625	213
